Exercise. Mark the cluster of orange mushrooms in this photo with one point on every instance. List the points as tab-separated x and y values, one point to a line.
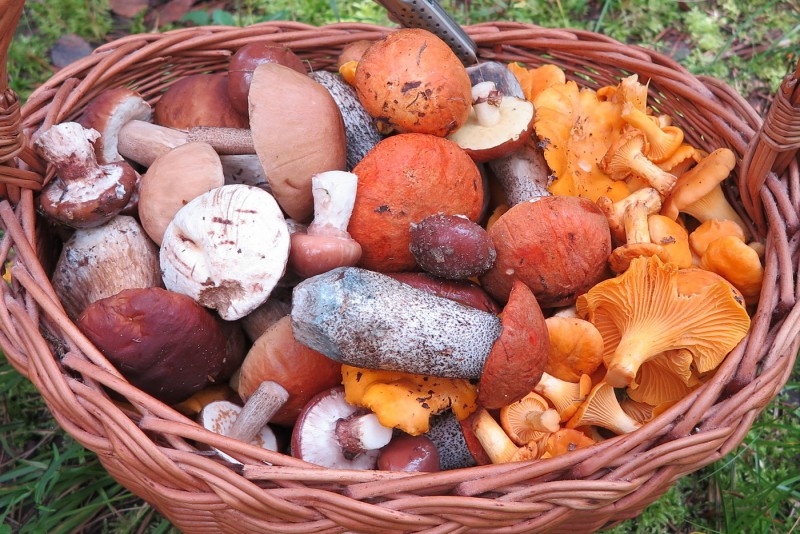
408	264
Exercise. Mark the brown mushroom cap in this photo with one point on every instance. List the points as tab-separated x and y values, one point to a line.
558	257
412	81
297	131
107	113
198	100
175	178
246	59
303	372
518	357
165	343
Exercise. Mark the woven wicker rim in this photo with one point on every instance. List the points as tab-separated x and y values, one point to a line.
160	454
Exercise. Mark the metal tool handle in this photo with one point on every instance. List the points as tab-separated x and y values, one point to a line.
429	15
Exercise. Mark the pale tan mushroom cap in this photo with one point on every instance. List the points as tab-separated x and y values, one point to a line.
641	314
297	131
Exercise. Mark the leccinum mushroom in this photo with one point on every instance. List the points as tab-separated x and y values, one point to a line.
366	319
227	249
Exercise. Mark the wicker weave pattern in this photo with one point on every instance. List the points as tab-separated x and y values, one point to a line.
161	455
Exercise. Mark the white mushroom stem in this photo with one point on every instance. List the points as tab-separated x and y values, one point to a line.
362	432
635	221
69	147
334	195
265	401
486	103
544	421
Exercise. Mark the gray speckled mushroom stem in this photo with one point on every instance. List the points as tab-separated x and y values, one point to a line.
367	319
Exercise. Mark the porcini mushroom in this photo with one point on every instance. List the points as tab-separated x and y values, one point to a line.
369	320
198	100
641	314
601	408
227	249
84	192
99	262
107	113
244	61
407	401
332	433
326	244
164	343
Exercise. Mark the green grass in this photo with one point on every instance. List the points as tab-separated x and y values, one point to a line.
50	483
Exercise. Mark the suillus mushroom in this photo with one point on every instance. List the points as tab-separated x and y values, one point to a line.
227	249
564	396
561	256
164	343
84	192
369	320
498	446
407	401
576	348
293	147
244	61
99	262
174	179
332	433
451	246
641	314
198	100
601	408
497	125
412	81
529	419
276	356
415	454
404	179
326	244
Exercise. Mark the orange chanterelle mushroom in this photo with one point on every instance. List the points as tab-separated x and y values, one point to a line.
642	314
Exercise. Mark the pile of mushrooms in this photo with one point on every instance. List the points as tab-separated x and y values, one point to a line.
404	265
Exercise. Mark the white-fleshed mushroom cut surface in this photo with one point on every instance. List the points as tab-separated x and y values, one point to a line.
227	249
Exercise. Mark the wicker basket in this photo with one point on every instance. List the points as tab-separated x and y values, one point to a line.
158	453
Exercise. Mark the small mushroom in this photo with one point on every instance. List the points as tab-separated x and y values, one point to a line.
626	158
84	193
497	125
498	446
415	454
99	262
641	314
529	419
662	141
326	244
332	433
369	320
227	249
601	408
565	441
451	246
673	239
107	113
565	396
576	348
164	343
738	263
698	192
174	179
711	230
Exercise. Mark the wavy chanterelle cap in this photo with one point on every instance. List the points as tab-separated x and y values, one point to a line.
641	314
